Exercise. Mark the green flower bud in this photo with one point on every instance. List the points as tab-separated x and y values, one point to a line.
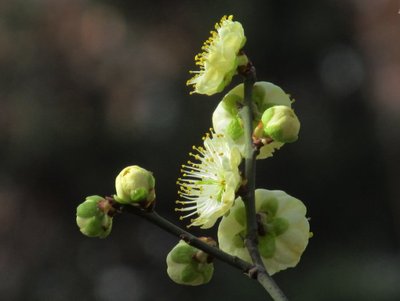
281	124
92	217
135	185
188	265
283	230
227	120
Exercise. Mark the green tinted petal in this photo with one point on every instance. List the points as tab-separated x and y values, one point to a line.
240	215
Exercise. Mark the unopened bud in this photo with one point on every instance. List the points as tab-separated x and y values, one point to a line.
281	124
188	265
92	217
135	185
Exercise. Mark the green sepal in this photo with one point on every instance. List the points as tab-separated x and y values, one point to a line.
93	227
207	272
182	254
87	209
279	226
235	129
240	215
184	268
94	198
189	273
139	195
96	226
266	245
269	206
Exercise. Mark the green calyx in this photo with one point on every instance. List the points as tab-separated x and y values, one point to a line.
183	253
269	206
272	226
139	194
279	226
235	129
240	215
192	273
283	229
90	207
266	245
281	124
92	219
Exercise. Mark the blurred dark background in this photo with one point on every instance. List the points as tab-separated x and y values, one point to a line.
89	87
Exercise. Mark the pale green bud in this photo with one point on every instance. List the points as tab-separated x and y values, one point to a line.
92	217
135	185
188	265
283	230
281	124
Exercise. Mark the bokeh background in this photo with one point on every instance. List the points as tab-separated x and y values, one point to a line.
89	87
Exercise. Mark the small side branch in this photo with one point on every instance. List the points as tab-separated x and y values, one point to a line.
253	271
189	238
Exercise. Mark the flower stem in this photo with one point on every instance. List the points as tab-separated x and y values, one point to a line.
251	240
250	154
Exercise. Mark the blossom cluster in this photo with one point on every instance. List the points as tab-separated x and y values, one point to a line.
211	184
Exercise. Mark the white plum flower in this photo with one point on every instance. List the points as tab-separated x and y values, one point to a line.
283	230
207	187
219	60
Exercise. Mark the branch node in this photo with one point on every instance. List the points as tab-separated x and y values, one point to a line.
253	272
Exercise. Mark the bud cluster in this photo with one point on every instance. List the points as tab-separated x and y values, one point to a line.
134	186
